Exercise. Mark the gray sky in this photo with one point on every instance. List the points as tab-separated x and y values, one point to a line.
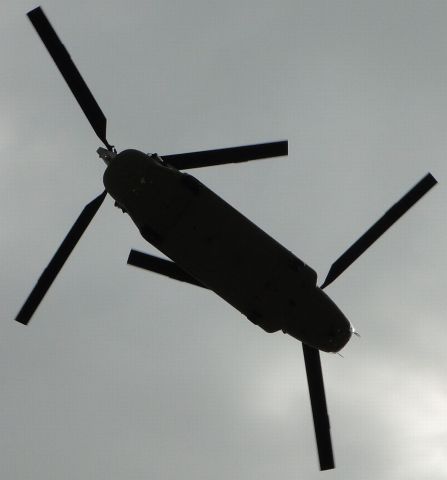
123	374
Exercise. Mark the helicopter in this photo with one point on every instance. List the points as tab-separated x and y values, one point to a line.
212	245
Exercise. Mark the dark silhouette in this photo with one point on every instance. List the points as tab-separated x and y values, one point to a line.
211	244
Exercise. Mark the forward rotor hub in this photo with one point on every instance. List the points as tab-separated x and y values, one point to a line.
106	155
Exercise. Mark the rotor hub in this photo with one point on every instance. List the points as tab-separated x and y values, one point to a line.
106	155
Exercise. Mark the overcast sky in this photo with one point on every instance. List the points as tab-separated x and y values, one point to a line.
123	374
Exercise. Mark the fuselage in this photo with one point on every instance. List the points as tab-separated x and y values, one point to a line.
225	251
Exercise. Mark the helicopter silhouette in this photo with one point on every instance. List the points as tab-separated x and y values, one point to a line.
212	245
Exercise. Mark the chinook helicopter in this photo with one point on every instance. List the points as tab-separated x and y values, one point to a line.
211	244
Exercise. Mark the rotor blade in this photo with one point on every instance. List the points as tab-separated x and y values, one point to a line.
222	156
58	260
319	408
161	266
379	228
70	73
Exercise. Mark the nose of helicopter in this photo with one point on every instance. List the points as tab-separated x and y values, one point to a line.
339	329
322	324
